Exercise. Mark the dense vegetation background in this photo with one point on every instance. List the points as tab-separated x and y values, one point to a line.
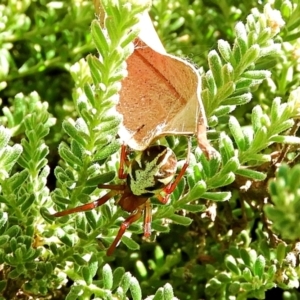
231	229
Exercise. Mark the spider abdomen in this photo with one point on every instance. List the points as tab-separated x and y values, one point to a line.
152	170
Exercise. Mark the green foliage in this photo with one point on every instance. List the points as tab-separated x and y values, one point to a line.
284	192
234	72
23	193
9	155
230	229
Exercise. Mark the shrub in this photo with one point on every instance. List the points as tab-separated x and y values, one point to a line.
58	142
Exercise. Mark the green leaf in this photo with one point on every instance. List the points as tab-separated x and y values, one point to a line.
86	274
238	100
73	132
281	252
125	282
160	228
20	253
4	239
213	165
5	135
79	260
74	292
223	110
88	90
14	274
197	191
247	275
48	267
252	174
130	243
251	55
234	288
224	49
53	248
243	85
91	218
224	277
82	235
101	178
231	165
260	138
117	55
253	256
217	196
294	179
69	157
215	283
27	203
9	156
236	57
159	295
118	273
256	117
110	123
215	65
17	179
259	266
120	294
210	81
77	149
285	139
226	148
100	40
194	208
231	264
220	180
283	126
245	257
168	292
128	39
66	239
13	244
108	150
237	133
13	231
3	219
227	71
241	37
135	289
223	95
107	277
272	272
95	67
181	220
258	74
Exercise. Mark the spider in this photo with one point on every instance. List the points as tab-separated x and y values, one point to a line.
150	173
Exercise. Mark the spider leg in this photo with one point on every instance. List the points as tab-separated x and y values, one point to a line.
169	189
203	143
123	161
147	219
88	206
128	221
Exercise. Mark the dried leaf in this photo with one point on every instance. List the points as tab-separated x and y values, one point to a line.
160	96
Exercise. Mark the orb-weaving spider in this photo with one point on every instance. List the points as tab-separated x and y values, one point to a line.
150	173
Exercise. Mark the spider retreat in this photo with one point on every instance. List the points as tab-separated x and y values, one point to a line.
151	173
